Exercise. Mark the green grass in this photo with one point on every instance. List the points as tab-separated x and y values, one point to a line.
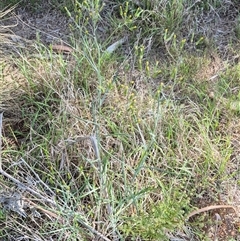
125	144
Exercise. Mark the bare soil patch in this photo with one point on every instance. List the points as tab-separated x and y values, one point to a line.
46	24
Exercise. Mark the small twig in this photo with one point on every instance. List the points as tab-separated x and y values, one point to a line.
47	212
209	208
26	187
61	49
6	11
94	231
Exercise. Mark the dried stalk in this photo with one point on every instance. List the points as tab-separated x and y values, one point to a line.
209	208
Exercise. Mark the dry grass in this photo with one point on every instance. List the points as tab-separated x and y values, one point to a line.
124	145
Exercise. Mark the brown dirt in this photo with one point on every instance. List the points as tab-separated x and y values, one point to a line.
48	25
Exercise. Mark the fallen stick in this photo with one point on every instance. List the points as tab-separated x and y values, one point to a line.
209	208
61	49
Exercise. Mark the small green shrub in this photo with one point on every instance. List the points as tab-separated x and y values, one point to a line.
164	215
